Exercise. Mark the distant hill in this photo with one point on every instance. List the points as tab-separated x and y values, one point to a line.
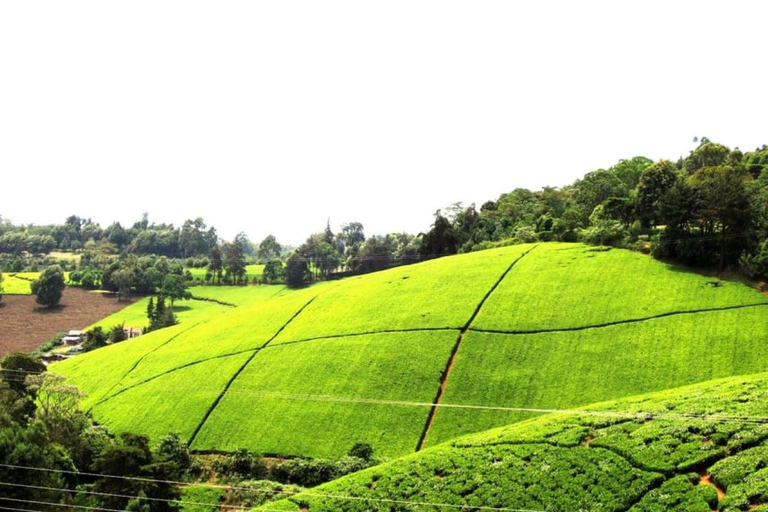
313	371
693	449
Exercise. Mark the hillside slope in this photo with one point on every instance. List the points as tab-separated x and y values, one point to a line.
311	372
693	449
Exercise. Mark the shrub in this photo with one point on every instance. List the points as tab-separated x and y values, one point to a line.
361	451
117	334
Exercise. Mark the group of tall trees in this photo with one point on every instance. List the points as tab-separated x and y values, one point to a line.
193	238
325	253
42	426
708	209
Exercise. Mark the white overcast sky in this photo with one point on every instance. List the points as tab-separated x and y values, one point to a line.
270	117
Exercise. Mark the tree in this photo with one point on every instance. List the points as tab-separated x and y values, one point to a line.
95	338
117	333
49	288
597	186
297	272
234	262
123	279
15	367
725	207
215	265
175	288
130	456
274	271
269	249
328	258
375	254
654	182
352	237
629	171
441	240
1	285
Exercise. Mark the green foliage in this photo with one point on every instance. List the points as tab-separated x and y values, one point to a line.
390	335
173	449
117	333
234	262
130	455
654	183
274	271
16	366
313	472
577	462
441	240
49	288
297	272
95	338
175	288
361	451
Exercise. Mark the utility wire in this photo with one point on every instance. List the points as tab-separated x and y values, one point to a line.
641	415
287	492
112	495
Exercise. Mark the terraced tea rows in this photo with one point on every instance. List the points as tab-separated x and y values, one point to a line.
550	325
693	449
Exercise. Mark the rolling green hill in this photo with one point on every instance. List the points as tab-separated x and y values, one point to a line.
693	449
542	326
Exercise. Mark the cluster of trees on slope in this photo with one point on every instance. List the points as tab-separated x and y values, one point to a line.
708	209
41	426
191	239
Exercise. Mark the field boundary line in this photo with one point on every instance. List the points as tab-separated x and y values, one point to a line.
455	350
619	322
139	360
366	333
214	301
172	370
240	370
238	352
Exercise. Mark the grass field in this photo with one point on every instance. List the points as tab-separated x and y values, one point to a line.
537	326
237	295
627	461
362	366
14	285
251	271
558	368
19	283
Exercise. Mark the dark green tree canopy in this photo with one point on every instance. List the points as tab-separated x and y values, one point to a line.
297	272
49	288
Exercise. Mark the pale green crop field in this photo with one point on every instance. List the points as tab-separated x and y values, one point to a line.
135	315
558	369
13	285
251	271
238	295
358	366
559	286
548	325
20	283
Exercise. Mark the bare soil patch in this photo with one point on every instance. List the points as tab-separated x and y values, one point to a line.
24	325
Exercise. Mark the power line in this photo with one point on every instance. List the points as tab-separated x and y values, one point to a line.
113	495
287	492
641	415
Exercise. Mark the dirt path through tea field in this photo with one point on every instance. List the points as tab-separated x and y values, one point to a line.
24	325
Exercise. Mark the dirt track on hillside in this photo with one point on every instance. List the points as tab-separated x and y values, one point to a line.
24	325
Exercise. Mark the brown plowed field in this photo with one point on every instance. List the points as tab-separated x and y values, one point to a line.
24	325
